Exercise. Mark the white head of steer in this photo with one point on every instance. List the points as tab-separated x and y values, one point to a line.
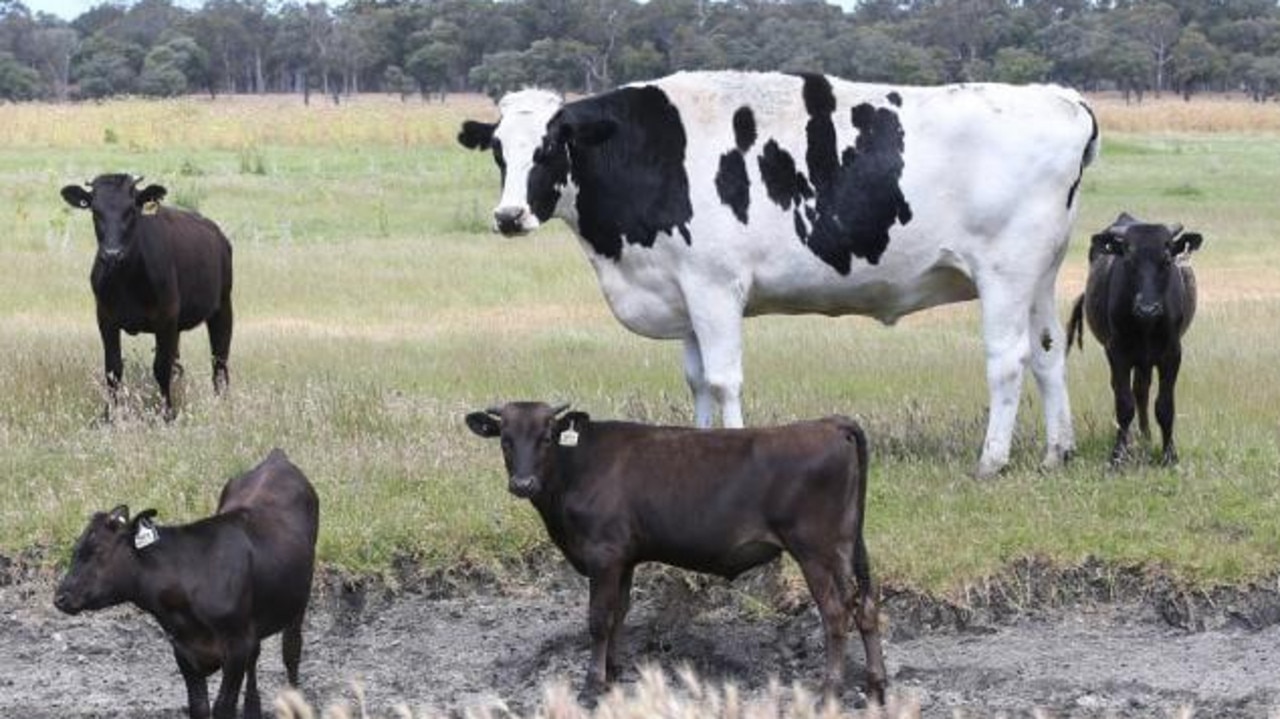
703	198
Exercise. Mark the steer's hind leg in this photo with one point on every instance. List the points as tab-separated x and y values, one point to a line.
716	317
219	326
1048	365
828	581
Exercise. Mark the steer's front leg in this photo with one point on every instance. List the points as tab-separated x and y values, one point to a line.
197	688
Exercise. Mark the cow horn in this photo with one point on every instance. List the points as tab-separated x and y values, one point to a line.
494	411
1174	230
560	408
138	180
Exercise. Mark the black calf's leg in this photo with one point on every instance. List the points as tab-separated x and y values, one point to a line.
197	689
219	326
606	591
1141	394
612	667
252	701
1123	390
166	354
823	576
1165	405
113	364
291	648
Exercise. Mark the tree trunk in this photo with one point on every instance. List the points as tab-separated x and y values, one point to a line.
257	71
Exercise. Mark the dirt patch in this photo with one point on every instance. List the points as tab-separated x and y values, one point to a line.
1090	640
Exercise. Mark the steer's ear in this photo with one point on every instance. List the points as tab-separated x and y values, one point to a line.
476	135
151	193
1188	243
1105	243
484	424
77	196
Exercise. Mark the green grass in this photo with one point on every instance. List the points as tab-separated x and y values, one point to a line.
373	310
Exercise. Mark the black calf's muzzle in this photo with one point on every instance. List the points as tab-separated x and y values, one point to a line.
1148	310
523	487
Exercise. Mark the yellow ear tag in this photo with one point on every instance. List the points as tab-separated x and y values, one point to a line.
151	207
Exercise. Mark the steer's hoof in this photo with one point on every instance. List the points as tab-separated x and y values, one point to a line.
989	470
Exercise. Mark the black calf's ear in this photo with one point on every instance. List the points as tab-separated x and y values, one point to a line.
77	196
1188	243
118	517
476	135
1105	243
577	420
483	424
152	193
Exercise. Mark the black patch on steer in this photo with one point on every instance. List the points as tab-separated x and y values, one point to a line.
744	128
732	184
855	192
632	185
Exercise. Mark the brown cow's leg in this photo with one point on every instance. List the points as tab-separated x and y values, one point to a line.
197	688
821	573
605	596
612	666
1164	405
1121	387
867	617
166	353
219	327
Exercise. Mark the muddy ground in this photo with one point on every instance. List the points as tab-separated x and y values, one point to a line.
1087	642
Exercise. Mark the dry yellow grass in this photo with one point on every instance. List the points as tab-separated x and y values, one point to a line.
1170	113
239	121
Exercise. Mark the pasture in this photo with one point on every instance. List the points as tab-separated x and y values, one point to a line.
374	308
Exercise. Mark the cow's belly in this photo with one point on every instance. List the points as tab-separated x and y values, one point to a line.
643	290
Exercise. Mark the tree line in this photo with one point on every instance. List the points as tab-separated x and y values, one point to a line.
434	47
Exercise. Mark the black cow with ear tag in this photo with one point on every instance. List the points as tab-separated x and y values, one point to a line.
218	586
158	270
1139	300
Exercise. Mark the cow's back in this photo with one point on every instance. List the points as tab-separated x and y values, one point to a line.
862	198
197	253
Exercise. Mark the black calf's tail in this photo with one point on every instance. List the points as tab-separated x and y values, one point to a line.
861	562
1075	326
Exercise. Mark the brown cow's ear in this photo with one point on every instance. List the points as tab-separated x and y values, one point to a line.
152	193
77	196
483	424
1188	243
476	135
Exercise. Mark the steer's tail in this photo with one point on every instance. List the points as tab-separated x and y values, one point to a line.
858	475
1075	325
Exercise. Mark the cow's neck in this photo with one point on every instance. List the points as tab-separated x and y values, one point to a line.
157	567
559	479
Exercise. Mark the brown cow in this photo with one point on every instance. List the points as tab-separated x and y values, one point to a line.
616	494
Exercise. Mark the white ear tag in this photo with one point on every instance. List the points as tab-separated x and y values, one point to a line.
569	437
146	535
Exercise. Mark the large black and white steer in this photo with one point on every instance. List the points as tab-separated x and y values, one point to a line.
617	494
158	270
702	198
1139	300
218	586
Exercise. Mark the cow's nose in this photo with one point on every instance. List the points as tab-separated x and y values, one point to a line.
525	486
1148	310
509	220
62	601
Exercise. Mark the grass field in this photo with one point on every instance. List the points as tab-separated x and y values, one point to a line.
373	309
